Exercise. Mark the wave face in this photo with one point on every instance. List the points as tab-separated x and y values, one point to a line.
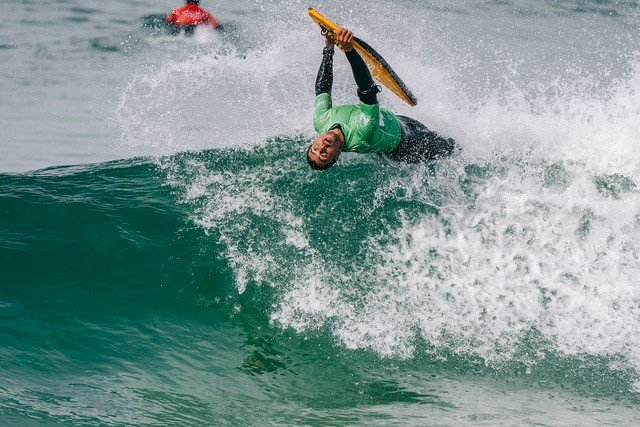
202	286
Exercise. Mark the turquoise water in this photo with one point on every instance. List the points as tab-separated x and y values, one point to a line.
128	300
207	276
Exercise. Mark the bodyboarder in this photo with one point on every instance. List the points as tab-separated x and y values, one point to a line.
189	16
364	128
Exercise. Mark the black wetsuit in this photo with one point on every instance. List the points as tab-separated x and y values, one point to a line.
417	142
175	30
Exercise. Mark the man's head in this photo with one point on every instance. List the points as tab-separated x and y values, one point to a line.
325	150
193	1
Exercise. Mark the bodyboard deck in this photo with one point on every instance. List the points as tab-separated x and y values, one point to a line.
380	69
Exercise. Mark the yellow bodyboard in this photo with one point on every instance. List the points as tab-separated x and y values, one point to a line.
380	70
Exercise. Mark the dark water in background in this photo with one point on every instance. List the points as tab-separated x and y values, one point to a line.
233	286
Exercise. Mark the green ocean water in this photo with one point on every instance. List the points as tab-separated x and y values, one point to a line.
126	299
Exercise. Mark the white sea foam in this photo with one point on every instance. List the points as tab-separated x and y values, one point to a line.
217	98
548	242
537	230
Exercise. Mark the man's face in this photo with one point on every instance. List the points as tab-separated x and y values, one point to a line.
326	147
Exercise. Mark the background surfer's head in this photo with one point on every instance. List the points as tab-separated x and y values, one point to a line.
325	150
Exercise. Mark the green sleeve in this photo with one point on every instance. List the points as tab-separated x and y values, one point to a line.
368	120
321	113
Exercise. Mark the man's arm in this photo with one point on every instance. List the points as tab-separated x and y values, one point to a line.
324	80
367	89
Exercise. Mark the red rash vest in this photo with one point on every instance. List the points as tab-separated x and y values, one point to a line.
191	14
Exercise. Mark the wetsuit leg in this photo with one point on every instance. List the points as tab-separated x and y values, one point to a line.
419	144
324	79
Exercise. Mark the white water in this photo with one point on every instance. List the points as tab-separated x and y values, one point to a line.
547	239
542	238
537	232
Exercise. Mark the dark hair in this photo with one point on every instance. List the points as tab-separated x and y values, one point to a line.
193	1
316	166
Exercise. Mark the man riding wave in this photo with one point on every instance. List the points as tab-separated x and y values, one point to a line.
364	128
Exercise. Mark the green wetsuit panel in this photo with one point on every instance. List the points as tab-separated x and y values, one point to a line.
366	128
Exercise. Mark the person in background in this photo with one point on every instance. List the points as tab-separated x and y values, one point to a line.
189	16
